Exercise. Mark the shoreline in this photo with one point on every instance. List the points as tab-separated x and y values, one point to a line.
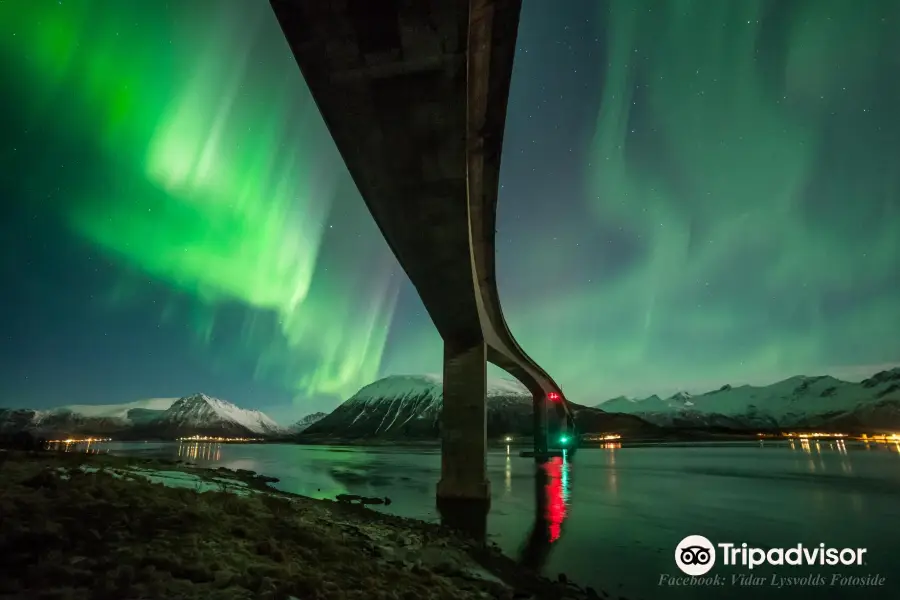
75	524
520	443
665	436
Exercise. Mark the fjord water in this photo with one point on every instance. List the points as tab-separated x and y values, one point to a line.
615	515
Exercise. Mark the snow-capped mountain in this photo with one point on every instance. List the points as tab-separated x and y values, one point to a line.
163	418
870	405
409	407
100	419
682	398
303	423
199	414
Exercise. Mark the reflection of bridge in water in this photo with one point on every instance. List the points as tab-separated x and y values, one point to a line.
552	491
552	484
556	491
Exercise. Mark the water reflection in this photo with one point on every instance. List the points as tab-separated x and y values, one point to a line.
611	471
839	445
819	455
846	465
507	480
209	451
552	481
86	447
557	492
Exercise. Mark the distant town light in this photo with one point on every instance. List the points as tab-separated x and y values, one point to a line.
507	438
206	438
603	437
791	434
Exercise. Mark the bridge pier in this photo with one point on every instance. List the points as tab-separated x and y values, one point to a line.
540	408
464	478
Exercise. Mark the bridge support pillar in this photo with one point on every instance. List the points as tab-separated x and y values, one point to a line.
464	427
540	408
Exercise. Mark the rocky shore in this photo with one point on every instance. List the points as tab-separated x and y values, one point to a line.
78	526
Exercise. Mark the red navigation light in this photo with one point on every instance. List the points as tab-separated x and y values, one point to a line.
555	489
553	397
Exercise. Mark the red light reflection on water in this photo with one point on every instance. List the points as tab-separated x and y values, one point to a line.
557	490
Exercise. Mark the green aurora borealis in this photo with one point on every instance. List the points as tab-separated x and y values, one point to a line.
694	193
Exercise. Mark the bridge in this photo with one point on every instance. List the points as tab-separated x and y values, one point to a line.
414	93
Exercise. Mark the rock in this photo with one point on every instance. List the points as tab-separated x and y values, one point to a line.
361	500
44	479
267	586
223	577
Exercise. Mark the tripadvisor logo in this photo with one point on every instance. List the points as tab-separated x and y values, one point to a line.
695	555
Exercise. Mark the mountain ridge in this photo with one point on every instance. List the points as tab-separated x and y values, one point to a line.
872	404
303	423
155	418
409	407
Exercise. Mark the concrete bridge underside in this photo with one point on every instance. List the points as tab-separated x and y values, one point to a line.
414	93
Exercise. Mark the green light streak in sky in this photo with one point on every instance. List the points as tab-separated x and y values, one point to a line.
219	190
744	188
720	185
741	182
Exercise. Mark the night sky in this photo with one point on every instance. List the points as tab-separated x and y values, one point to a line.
694	192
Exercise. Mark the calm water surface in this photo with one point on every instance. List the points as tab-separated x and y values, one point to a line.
616	514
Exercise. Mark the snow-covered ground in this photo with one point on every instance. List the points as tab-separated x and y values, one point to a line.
169	478
115	411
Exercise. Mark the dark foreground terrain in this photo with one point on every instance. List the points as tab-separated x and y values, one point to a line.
78	526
